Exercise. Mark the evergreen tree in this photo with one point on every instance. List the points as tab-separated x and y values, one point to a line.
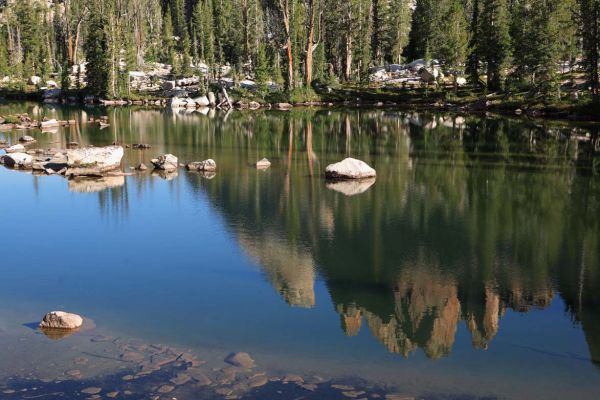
494	42
97	55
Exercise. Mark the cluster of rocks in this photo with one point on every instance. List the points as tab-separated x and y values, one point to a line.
24	121
414	73
87	161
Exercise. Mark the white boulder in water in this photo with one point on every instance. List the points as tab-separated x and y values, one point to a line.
264	163
18	160
61	320
350	168
102	158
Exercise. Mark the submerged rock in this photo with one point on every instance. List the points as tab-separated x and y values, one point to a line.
207	165
241	360
350	168
167	162
264	163
61	320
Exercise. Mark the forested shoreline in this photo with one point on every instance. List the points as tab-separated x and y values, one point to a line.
540	50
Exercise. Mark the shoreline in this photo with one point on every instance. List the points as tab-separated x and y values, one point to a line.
350	98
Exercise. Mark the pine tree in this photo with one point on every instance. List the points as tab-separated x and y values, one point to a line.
449	36
590	30
97	55
494	42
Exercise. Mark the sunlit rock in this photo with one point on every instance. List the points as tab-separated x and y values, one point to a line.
263	164
17	148
61	320
167	162
350	168
18	160
207	165
100	158
351	187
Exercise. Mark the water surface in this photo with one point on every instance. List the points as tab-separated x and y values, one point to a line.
470	266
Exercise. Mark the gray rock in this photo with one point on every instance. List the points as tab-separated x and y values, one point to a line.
17	148
167	162
61	320
349	168
241	360
207	165
101	158
18	160
26	139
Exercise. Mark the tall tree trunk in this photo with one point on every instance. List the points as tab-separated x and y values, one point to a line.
246	29
348	63
285	10
310	4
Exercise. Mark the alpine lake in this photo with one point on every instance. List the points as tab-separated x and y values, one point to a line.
468	269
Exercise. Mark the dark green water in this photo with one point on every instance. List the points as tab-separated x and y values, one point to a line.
471	266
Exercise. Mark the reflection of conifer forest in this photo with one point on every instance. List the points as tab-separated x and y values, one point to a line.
468	217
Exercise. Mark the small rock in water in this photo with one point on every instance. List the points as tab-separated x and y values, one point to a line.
242	360
167	162
166	389
74	372
207	165
61	320
293	378
258	381
263	164
141	167
343	387
353	394
26	139
112	395
91	390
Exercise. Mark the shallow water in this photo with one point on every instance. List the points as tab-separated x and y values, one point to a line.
470	267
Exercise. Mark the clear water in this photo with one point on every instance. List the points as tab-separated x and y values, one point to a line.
471	265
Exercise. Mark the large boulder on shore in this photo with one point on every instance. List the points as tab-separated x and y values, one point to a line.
167	162
350	168
61	320
99	158
18	160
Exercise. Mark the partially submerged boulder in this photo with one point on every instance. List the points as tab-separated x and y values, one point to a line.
99	158
207	165
167	162
51	123
26	139
350	168
17	148
262	164
283	106
61	320
18	160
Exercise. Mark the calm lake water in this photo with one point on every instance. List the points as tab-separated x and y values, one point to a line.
470	267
